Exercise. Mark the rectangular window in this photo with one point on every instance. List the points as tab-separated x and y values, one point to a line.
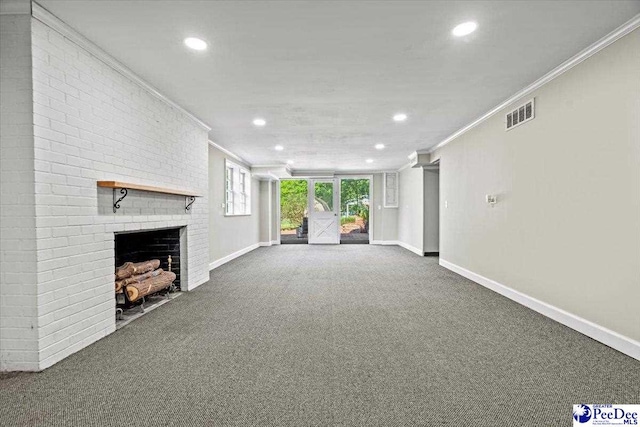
229	190
237	190
390	189
243	191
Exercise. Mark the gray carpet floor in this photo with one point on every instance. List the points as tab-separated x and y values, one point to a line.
328	335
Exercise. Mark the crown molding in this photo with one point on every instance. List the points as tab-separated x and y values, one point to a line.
306	173
56	24
267	177
15	7
229	153
610	38
272	165
271	171
356	173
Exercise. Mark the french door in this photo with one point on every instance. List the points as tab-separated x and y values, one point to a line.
324	206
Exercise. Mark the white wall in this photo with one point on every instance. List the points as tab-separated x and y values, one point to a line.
566	228
431	211
269	212
411	209
265	211
229	234
18	270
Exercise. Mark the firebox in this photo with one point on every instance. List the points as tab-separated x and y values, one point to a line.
149	245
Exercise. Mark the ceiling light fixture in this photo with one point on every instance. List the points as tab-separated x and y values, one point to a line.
369	160
464	29
289	162
279	147
259	122
379	146
400	117
195	43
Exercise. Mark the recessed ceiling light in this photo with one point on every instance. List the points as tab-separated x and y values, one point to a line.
195	43
279	147
259	122
464	29
369	160
400	117
379	146
289	162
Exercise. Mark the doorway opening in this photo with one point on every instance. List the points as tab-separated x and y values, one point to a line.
432	210
294	212
325	210
355	202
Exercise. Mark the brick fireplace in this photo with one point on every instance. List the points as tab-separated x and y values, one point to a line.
93	120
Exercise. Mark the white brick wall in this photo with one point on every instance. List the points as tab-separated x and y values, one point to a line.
18	273
92	123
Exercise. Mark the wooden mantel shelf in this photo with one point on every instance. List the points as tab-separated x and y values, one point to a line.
124	187
130	186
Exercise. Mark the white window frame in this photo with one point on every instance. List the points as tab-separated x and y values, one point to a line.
237	189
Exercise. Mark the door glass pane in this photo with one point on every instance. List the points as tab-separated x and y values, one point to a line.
323	197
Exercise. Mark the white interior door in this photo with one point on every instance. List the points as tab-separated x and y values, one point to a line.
324	220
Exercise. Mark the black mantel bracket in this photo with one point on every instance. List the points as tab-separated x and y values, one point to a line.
188	202
116	203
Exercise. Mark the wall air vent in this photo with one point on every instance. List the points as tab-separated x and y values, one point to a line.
520	115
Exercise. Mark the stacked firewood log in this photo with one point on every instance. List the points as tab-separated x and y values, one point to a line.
142	278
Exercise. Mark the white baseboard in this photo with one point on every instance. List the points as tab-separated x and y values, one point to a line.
385	242
262	244
275	242
217	263
606	336
411	248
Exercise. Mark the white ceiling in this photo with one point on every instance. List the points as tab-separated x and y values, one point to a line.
328	76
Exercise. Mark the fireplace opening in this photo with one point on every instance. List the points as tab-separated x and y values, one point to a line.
147	270
147	245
